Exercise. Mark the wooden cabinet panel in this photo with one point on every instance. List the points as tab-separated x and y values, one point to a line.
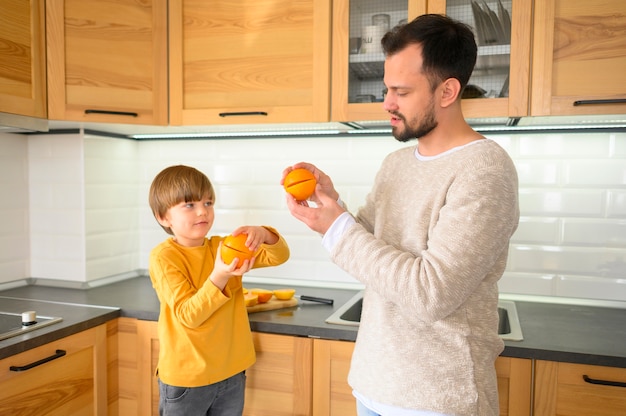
249	61
514	386
72	382
579	53
22	58
107	61
561	389
279	383
333	396
516	104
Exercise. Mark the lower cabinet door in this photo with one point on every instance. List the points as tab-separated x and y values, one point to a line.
65	378
577	389
332	396
278	384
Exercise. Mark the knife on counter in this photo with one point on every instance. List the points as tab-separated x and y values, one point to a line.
315	299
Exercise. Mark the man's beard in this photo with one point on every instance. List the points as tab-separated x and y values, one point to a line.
425	126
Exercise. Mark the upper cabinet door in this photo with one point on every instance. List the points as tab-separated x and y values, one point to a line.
579	57
107	61
357	61
22	58
249	61
499	84
500	81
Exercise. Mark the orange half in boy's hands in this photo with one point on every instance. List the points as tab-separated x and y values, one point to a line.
300	183
235	247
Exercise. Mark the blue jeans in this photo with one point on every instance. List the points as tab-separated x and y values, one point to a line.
362	410
224	398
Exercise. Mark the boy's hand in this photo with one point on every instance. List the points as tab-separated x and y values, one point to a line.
222	272
256	236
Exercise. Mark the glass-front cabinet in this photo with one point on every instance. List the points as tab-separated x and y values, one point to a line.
499	84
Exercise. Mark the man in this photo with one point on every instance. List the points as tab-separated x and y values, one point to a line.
431	241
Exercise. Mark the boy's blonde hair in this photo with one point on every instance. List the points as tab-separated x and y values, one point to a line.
178	184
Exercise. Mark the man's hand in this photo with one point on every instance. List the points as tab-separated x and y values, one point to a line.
320	217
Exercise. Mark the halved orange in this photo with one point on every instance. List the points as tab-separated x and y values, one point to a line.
284	294
264	295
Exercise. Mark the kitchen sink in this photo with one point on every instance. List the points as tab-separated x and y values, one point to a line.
11	324
509	327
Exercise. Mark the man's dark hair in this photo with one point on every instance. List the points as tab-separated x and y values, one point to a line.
448	46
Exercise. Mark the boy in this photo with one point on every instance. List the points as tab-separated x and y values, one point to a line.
204	332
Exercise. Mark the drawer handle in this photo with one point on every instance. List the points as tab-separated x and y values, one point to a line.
114	113
594	102
57	354
244	113
603	382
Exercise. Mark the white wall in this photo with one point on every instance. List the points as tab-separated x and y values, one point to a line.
571	241
14	232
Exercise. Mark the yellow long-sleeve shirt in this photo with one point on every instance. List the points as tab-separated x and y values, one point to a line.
204	333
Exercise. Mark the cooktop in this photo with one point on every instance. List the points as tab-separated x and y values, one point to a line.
11	324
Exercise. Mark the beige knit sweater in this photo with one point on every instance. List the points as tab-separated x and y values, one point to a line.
430	244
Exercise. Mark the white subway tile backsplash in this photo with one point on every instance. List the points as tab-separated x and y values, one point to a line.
594	232
536	173
590	287
88	215
537	230
616	203
18	226
562	202
598	173
14	241
528	284
574	260
617	145
564	145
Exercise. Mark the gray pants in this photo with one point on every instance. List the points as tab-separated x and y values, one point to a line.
224	398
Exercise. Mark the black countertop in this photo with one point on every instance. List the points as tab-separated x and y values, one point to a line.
556	332
75	319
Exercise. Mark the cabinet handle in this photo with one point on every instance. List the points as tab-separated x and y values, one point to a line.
115	113
57	354
244	113
603	382
594	102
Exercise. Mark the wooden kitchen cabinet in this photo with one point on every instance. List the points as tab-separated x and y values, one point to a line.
107	61
579	57
356	76
249	61
22	58
123	358
65	377
514	385
502	70
279	383
333	396
576	389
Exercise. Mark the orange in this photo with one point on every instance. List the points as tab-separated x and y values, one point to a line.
250	299
263	294
284	294
235	247
300	183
